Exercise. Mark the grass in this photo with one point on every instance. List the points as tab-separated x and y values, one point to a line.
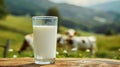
109	46
13	28
7	31
18	22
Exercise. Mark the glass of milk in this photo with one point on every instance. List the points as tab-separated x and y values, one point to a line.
44	39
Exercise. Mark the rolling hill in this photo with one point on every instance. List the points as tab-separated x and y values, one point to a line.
110	7
73	16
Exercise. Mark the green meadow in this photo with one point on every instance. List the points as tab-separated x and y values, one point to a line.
15	28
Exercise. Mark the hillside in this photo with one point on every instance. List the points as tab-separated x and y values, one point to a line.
73	16
110	7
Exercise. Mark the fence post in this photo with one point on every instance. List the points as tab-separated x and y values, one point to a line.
6	48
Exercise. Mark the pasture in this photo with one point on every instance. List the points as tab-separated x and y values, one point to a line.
15	28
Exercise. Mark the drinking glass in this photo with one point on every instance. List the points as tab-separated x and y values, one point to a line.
44	39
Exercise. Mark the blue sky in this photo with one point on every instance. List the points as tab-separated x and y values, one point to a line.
84	3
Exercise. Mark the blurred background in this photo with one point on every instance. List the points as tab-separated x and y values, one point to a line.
99	18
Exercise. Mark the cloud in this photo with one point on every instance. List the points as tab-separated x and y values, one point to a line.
83	2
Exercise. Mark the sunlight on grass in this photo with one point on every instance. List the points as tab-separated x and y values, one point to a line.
18	22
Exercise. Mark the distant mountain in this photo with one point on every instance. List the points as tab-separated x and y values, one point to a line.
113	6
73	16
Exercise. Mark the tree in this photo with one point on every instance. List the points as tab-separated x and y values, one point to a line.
53	11
110	31
3	11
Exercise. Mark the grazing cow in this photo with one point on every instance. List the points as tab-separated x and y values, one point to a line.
79	42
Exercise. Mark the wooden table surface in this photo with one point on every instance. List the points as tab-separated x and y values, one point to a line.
60	62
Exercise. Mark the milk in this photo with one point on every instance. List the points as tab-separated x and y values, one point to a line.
44	41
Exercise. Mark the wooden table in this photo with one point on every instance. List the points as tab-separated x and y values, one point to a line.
60	62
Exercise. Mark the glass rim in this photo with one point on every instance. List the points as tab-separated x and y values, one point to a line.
44	17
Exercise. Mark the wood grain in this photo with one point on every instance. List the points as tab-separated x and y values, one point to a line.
60	62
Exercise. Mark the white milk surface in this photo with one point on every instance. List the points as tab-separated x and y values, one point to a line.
44	41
